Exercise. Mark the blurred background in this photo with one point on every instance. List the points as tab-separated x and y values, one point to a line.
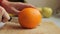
54	4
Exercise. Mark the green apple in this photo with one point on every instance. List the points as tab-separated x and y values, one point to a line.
46	12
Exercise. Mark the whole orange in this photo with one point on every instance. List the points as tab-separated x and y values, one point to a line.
29	17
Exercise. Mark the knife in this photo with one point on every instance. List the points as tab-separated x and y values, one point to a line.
2	24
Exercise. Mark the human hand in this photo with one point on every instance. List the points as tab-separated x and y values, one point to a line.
15	7
3	14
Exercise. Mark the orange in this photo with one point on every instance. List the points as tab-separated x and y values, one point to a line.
29	17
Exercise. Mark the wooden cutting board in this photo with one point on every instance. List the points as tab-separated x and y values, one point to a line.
43	28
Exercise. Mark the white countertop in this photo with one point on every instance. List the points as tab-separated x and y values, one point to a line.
52	19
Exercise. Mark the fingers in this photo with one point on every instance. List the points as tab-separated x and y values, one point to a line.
15	10
9	8
29	5
20	6
15	7
5	15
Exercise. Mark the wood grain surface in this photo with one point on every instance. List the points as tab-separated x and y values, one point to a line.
43	28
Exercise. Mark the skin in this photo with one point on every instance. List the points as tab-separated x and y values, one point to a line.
13	8
4	14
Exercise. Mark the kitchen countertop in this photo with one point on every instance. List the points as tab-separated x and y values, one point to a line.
53	19
43	28
46	27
